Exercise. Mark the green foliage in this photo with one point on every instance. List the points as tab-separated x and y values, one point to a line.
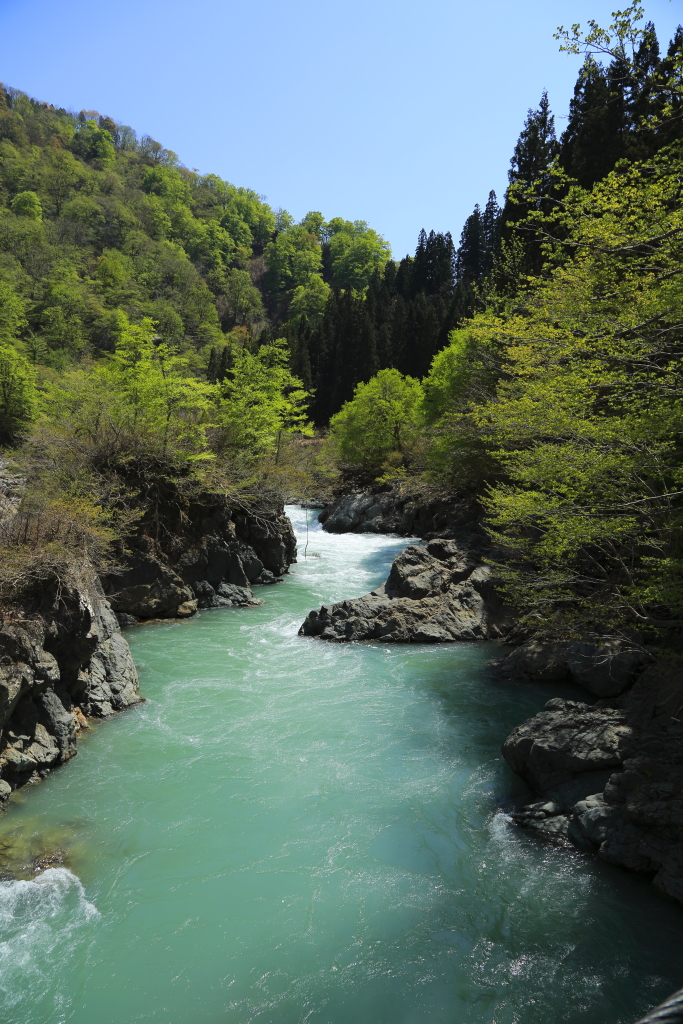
27	204
12	313
18	395
292	258
587	420
140	405
93	144
356	252
463	373
310	300
460	372
97	224
242	302
379	429
262	403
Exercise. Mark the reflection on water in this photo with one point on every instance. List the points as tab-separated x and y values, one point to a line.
289	831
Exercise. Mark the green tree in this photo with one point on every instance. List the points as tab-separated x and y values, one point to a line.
309	300
292	258
356	251
242	303
587	419
379	429
262	403
93	144
18	395
140	406
27	204
61	177
12	313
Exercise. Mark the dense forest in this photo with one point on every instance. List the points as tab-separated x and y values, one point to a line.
158	321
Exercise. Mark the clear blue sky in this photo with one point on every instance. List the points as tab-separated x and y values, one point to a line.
401	114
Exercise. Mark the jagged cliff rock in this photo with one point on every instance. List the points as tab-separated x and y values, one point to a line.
435	594
187	549
61	659
402	510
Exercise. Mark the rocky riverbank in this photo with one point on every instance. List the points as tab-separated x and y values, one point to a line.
607	776
402	509
63	658
435	594
198	552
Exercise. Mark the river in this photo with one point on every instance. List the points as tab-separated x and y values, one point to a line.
293	832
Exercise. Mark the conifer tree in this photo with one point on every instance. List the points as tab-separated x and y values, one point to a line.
536	147
593	140
529	181
491	228
299	338
472	249
434	263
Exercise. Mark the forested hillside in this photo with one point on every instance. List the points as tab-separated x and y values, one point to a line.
559	402
155	320
96	222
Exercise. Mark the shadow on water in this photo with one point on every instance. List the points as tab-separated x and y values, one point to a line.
293	832
620	949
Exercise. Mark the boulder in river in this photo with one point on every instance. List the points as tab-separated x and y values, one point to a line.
164	573
226	595
436	594
403	510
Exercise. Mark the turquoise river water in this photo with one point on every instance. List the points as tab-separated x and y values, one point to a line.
289	831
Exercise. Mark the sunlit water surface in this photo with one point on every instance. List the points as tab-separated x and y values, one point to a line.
290	831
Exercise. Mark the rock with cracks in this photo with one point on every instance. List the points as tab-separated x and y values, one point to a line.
436	594
609	778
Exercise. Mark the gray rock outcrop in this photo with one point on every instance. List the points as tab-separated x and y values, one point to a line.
62	654
60	661
436	594
604	666
401	510
564	740
227	595
165	573
610	776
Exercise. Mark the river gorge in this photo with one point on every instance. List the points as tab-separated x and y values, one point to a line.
289	831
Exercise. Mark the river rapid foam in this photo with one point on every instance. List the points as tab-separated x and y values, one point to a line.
289	831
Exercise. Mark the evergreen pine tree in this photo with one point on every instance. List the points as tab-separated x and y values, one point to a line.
400	333
490	223
355	357
227	361
643	97
434	263
471	256
536	146
322	350
404	275
301	365
593	140
670	130
535	150
211	367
